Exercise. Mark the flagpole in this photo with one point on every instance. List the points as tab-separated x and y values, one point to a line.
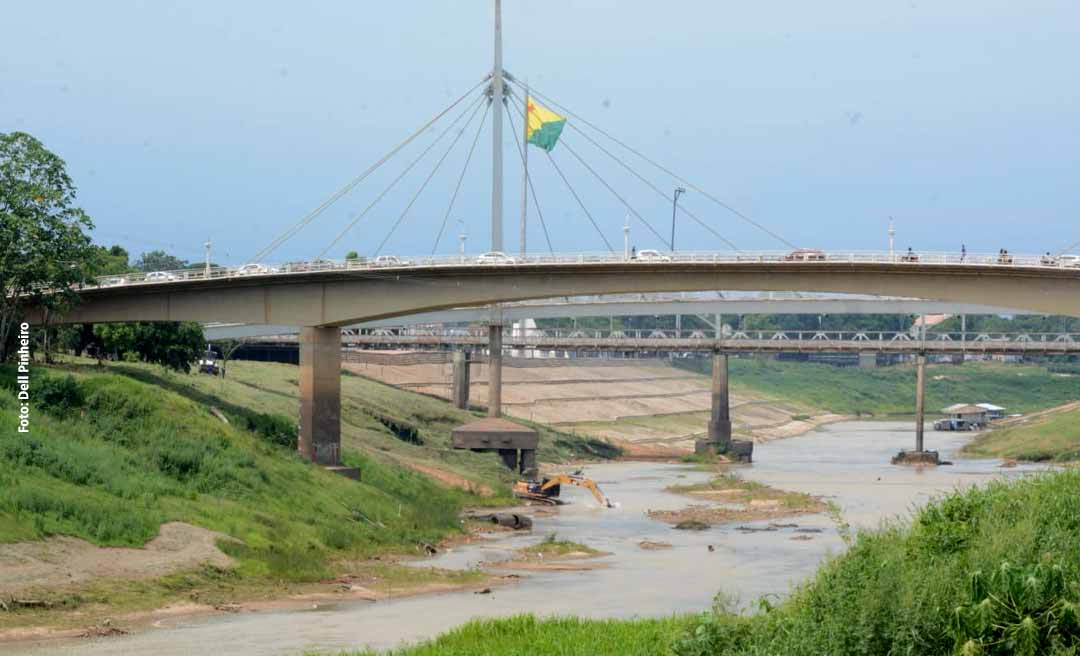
525	162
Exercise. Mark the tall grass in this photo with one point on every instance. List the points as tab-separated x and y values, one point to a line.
110	458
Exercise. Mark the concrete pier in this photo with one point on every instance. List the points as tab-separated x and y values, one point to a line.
920	399
720	418
460	380
320	398
867	360
495	335
718	438
919	456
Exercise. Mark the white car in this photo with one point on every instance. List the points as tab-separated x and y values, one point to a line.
650	255
1069	261
389	261
112	282
159	276
495	257
250	269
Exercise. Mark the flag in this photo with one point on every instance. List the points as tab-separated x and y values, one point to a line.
542	126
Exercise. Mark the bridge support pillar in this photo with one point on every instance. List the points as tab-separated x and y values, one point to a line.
460	377
919	456
320	398
495	340
867	360
920	399
718	439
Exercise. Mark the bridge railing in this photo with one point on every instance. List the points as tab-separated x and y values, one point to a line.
662	335
641	258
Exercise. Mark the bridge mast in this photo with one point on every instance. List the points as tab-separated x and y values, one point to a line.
496	136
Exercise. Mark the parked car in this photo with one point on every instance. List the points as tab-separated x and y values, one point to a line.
389	261
159	276
650	255
495	257
251	269
805	255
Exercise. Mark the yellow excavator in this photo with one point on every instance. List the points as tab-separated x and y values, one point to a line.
547	491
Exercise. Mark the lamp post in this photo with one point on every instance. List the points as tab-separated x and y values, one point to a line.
674	207
462	237
626	238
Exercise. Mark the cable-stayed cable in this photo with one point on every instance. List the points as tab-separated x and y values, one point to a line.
431	175
578	199
528	178
633	150
653	187
609	187
461	178
356	219
360	178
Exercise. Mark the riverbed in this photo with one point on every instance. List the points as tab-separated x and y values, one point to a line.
846	463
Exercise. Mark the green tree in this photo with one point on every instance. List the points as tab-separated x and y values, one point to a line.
171	344
352	255
44	251
159	261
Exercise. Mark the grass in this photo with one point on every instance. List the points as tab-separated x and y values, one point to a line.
1053	437
117	451
891	390
990	571
735	489
564	636
553	546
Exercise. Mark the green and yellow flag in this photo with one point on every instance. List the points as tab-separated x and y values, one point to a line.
542	126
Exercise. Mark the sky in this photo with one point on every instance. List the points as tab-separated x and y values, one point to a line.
182	122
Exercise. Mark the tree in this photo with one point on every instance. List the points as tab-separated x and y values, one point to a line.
44	251
352	255
171	344
159	261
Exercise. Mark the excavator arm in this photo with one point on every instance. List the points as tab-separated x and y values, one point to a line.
588	484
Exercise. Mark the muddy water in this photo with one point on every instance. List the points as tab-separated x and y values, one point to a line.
847	463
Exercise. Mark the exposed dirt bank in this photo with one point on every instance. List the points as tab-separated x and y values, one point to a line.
62	560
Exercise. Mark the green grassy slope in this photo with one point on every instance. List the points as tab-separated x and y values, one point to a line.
891	390
1054	437
117	451
989	571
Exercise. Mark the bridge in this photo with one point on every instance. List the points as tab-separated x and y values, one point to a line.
766	341
341	293
321	296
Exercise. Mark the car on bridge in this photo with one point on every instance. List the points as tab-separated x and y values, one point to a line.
1070	261
113	282
390	261
159	276
805	255
495	257
650	255
251	269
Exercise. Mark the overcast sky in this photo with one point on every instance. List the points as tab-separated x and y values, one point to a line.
182	121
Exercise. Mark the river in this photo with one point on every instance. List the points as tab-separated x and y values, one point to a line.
847	463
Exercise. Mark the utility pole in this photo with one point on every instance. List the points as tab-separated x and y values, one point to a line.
674	207
207	247
626	238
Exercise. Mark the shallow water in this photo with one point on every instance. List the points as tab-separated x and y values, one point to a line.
847	463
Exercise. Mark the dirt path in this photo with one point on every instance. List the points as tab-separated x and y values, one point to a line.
65	560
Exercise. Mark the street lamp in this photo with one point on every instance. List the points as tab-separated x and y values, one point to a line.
674	208
462	236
